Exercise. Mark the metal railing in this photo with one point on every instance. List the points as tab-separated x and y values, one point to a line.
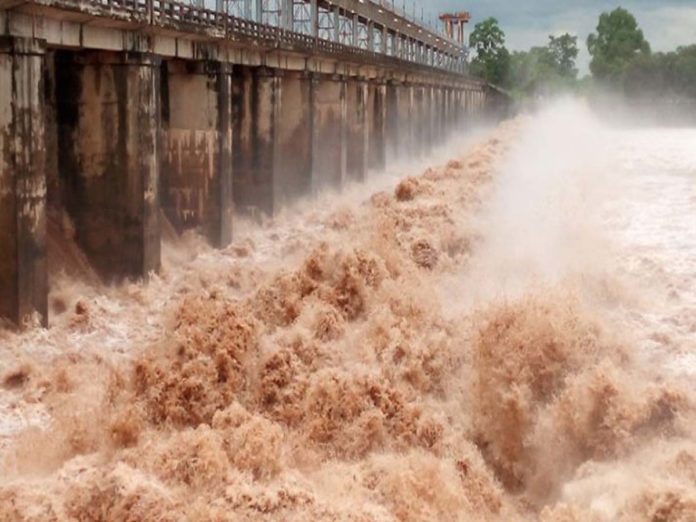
392	5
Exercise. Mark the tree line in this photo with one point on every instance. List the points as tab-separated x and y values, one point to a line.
622	61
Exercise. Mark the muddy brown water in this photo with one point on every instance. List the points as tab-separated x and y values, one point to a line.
507	334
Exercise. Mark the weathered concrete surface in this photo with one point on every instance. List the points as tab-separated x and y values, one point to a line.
377	125
273	138
430	117
293	170
330	132
407	121
357	130
54	187
447	110
464	120
256	112
456	109
419	115
23	280
108	108
393	126
196	175
440	110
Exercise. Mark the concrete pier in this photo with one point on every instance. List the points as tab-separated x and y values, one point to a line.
295	139
449	111
406	120
377	126
357	130
23	283
108	118
441	109
273	138
256	98
418	121
196	179
330	109
393	123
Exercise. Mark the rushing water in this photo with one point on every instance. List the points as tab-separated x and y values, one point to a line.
652	217
507	336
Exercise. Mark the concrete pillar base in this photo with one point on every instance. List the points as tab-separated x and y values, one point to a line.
23	279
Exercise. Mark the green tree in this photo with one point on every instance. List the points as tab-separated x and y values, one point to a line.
545	70
563	51
492	59
684	71
663	75
617	42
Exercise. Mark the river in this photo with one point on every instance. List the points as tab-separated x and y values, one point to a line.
505	330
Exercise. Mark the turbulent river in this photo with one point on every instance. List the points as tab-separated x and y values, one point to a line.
506	331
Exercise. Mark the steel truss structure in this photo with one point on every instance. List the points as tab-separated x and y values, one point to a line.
333	22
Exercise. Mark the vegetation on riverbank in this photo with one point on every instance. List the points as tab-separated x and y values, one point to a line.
622	62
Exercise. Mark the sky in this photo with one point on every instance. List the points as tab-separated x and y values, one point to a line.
666	23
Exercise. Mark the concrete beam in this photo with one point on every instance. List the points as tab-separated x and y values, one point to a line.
108	108
196	174
23	279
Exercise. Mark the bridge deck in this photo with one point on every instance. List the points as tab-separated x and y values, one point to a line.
399	49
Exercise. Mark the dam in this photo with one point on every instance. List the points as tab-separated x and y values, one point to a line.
117	115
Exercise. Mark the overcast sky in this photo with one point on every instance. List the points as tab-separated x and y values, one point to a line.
666	23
